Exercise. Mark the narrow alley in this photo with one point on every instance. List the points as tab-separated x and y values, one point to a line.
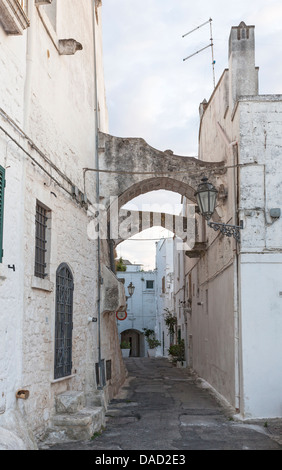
162	407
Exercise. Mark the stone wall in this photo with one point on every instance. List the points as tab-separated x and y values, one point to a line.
235	287
260	256
48	133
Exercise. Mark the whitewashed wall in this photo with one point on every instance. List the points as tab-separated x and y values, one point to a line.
141	307
236	308
260	259
165	300
52	99
211	324
12	77
179	290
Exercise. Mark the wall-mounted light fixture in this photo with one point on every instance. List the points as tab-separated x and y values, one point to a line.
206	196
131	288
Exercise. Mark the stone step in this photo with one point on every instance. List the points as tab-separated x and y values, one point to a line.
70	402
76	426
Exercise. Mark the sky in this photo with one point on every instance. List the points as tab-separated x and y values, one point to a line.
153	93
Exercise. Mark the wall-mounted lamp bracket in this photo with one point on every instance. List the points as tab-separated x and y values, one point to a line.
227	229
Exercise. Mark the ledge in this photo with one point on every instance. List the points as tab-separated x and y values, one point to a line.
13	18
197	251
42	284
63	378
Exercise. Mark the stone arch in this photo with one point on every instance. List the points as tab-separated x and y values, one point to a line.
136	339
129	165
139	220
154	184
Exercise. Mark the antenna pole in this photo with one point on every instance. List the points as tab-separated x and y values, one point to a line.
195	29
213	61
197	52
210	45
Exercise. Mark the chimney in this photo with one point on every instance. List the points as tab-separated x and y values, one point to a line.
243	74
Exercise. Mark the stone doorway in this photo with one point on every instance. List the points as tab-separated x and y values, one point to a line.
136	340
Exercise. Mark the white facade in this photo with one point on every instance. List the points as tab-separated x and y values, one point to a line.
141	308
179	291
52	104
235	318
260	255
171	293
164	291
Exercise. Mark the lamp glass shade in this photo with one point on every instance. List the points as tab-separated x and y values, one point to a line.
206	198
130	288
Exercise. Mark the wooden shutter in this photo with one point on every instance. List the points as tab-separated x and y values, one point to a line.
2	186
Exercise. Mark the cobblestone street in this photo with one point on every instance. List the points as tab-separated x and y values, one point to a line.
162	407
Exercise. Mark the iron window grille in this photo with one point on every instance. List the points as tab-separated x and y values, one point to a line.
2	187
64	321
40	241
149	284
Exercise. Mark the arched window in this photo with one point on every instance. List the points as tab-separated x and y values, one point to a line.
63	322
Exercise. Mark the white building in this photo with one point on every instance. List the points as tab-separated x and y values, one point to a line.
52	105
141	308
226	294
164	291
235	322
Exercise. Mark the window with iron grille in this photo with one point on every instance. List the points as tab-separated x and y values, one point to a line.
64	321
149	284
2	187
41	219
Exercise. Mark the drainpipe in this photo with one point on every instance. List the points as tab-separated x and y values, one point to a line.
100	387
237	324
30	42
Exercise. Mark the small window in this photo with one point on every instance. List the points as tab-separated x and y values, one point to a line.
41	219
178	335
108	369
2	187
97	374
149	284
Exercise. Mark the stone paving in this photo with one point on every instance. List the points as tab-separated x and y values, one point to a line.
162	407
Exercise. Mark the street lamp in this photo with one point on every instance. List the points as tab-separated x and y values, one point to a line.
131	288
206	195
206	198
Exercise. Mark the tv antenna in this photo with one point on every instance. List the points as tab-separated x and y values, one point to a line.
200	50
